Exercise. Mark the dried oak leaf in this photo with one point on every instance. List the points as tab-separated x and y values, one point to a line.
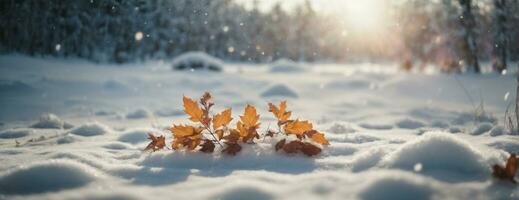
293	147
508	172
248	124
316	136
206	99
298	127
232	149
250	117
219	133
310	149
280	144
186	136
156	143
222	119
207	146
191	108
280	113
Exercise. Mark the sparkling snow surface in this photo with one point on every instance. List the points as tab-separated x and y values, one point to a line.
82	126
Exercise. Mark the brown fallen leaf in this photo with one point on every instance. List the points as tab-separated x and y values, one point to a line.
232	149
156	143
207	146
508	172
280	144
293	147
310	149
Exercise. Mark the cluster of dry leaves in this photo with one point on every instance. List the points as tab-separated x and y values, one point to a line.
211	130
507	172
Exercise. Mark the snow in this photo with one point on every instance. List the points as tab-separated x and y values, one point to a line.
279	90
196	61
285	65
50	121
440	155
380	136
50	176
15	133
90	129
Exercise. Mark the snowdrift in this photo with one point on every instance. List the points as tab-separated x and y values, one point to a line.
197	61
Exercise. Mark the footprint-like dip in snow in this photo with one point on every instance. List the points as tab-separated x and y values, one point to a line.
46	177
138	114
376	126
410	124
91	129
15	133
279	90
135	136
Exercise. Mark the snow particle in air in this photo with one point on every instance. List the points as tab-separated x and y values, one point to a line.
418	167
58	47
506	96
138	36
225	29
230	49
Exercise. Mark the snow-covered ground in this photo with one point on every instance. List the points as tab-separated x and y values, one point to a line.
81	128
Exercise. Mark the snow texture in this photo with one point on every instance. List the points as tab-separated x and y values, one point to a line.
197	61
374	152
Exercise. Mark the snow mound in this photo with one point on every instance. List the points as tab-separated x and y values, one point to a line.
49	121
349	84
367	160
91	129
393	187
286	66
498	130
15	133
410	124
279	90
197	61
481	128
67	139
376	126
138	114
46	177
442	156
244	192
135	136
340	128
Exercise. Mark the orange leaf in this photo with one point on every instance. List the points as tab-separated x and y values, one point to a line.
184	131
222	119
280	113
319	138
156	143
508	172
192	109
298	127
250	117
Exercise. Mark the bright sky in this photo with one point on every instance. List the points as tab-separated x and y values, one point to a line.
358	15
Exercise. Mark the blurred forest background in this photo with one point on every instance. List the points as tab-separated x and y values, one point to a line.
451	34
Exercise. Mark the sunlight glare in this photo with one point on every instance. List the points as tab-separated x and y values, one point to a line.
364	15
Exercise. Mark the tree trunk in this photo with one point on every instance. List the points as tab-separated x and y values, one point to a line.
470	45
501	37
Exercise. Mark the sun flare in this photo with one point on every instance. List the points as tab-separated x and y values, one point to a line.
364	15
